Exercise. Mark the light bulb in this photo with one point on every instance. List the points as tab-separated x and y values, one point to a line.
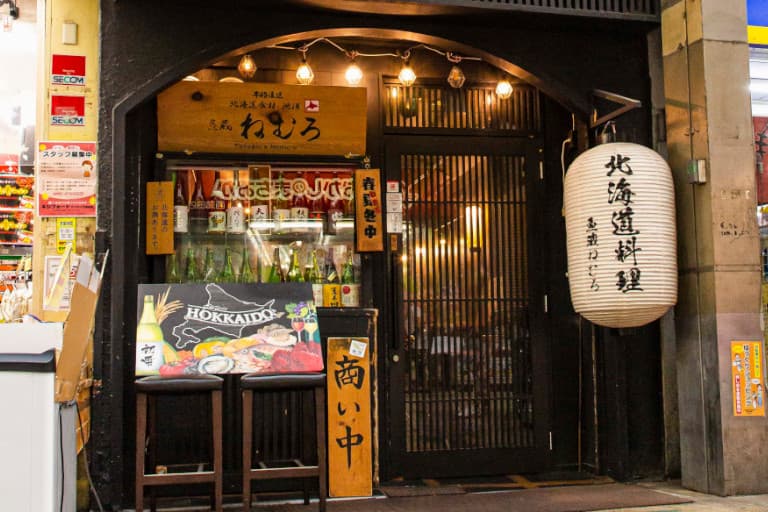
407	76
354	74
456	77
247	66
504	89
304	74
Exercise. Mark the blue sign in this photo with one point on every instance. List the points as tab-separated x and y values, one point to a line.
757	21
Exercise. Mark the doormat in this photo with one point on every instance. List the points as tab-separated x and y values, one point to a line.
550	499
404	491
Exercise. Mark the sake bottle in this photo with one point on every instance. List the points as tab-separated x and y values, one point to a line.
180	209
246	274
227	274
172	274
149	340
217	216
295	275
276	271
350	288
235	207
191	275
315	277
209	267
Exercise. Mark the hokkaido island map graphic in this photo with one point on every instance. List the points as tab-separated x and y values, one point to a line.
233	311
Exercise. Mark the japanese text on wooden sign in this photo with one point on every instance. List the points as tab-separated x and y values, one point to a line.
262	118
368	210
160	217
622	232
748	379
349	417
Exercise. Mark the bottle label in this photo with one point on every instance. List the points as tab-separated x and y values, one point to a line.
149	357
299	213
317	294
180	219
236	219
217	221
350	295
260	212
331	295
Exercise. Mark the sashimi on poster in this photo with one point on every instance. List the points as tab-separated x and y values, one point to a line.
67	184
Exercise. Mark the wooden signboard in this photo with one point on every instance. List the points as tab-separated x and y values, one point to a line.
261	118
159	217
349	417
369	225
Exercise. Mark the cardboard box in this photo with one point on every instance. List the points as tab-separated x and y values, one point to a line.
77	330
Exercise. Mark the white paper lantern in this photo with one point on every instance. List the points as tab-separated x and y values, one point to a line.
621	235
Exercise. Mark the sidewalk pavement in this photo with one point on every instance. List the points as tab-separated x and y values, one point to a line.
701	502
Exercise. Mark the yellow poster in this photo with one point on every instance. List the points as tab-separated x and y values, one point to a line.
747	377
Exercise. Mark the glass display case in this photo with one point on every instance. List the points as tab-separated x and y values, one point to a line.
278	222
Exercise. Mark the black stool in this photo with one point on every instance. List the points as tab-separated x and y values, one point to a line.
147	390
268	470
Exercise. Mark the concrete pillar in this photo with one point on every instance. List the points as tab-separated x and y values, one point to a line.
706	79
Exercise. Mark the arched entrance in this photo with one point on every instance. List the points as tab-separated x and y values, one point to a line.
132	147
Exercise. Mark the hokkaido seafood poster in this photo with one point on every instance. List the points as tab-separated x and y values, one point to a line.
188	329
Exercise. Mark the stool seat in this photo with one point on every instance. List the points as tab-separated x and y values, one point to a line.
276	381
183	384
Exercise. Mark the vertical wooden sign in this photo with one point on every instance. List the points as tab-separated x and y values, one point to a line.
160	217
369	226
349	417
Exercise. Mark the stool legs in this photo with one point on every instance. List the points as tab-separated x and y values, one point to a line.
247	447
141	459
218	465
322	465
141	441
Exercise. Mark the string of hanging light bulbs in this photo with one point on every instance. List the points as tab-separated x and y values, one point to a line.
354	75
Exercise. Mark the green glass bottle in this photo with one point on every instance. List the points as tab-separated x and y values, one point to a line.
246	274
191	275
315	276
227	274
172	274
295	275
276	271
209	267
348	271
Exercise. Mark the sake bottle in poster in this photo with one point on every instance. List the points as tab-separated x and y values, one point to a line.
149	340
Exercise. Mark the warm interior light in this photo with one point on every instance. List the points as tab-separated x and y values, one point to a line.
473	218
456	77
407	75
247	66
504	89
190	78
304	74
353	75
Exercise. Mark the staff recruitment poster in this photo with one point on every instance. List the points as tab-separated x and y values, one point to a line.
67	184
747	378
